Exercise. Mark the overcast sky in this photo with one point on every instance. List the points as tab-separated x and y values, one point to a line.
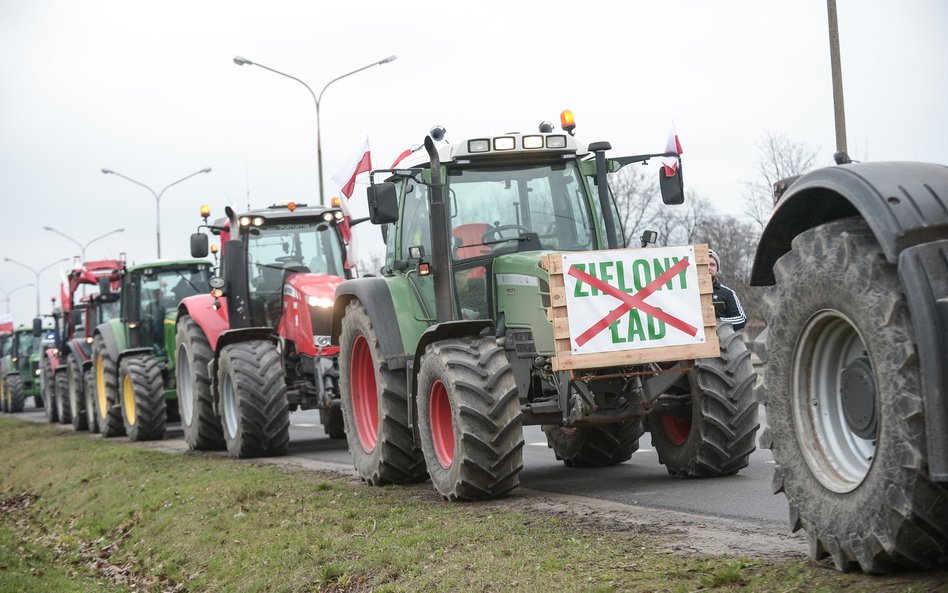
150	90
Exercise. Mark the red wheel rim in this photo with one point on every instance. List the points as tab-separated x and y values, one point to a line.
442	428
365	398
676	429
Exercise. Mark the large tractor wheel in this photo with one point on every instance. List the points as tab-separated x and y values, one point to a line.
4	405
48	387
144	410
715	434
15	397
375	406
595	446
202	426
108	407
61	381
469	419
255	413
77	400
88	393
843	398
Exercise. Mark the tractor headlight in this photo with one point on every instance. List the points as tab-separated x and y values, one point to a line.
322	302
37	372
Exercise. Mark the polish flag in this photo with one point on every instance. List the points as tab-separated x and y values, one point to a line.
361	162
401	157
6	323
673	146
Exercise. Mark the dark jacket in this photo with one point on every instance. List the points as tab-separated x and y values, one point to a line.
727	307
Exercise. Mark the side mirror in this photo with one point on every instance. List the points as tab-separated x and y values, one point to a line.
37	327
383	203
673	188
198	245
105	286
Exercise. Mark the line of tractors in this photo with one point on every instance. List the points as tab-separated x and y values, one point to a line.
431	366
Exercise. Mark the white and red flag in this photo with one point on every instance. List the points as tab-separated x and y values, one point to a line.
361	162
673	146
401	157
6	323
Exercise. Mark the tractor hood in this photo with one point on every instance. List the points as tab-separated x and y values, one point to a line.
318	290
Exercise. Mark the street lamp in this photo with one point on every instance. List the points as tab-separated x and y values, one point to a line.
82	248
37	274
157	197
317	99
7	293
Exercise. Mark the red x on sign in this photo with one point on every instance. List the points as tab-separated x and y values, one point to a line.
630	301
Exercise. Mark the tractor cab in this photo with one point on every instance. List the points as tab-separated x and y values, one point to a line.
151	296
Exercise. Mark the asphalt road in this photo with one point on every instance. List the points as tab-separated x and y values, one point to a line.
640	482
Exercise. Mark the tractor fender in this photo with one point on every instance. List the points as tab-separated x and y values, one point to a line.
131	352
374	293
107	331
212	321
906	207
242	335
443	331
903	203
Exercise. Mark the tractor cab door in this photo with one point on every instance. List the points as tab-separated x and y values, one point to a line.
415	231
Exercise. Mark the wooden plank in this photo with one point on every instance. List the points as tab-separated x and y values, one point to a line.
564	360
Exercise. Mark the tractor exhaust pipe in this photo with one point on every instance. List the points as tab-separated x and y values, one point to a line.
440	245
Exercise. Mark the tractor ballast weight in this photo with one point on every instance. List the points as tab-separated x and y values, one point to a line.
854	355
452	345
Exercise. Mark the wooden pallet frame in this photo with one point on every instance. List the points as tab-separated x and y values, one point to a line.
565	360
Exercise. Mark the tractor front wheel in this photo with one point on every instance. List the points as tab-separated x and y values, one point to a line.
201	424
144	410
255	413
333	423
716	433
13	397
599	445
61	383
108	408
48	387
470	421
375	406
74	387
88	392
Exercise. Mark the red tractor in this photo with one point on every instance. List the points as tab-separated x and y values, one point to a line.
69	361
258	346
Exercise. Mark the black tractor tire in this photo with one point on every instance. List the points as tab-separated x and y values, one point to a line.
48	389
719	433
599	445
75	386
144	410
374	402
15	397
470	422
88	393
61	381
107	404
852	462
255	413
4	405
202	426
333	423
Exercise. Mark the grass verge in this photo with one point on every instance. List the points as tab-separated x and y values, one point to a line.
80	513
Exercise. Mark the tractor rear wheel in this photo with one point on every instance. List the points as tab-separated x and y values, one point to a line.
4	387
255	413
202	426
61	382
332	422
108	408
716	434
469	419
88	393
74	387
15	397
144	410
375	406
48	387
843	394
595	446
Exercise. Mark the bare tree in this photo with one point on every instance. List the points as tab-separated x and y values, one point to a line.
779	158
637	200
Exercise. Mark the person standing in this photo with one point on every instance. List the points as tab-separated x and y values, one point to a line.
727	307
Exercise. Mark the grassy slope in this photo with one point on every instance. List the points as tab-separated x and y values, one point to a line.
79	513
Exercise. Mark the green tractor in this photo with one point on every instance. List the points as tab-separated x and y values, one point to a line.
20	371
133	376
453	348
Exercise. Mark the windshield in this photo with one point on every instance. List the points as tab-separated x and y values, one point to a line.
105	311
24	345
491	208
161	290
282	249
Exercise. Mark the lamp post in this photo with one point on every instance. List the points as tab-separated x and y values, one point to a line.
157	197
82	247
7	293
37	274
318	100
